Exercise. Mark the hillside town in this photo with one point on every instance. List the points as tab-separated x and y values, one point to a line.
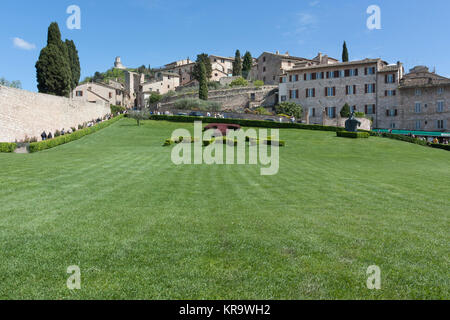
391	98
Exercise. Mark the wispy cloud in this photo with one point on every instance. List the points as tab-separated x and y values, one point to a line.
314	3
306	21
22	44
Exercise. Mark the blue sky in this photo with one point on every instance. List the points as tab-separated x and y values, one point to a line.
157	32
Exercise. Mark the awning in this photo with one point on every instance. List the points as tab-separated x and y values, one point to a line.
416	133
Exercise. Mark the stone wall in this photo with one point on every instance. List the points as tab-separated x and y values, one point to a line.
27	114
366	124
237	99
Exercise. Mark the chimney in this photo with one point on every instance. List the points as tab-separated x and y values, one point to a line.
278	52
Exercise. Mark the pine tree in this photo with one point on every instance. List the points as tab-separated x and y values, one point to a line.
247	64
345	111
345	53
203	88
237	64
53	69
196	72
74	63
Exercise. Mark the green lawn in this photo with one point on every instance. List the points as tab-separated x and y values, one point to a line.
140	227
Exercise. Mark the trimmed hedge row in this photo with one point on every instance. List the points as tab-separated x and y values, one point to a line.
7	147
48	144
400	138
441	146
247	123
353	135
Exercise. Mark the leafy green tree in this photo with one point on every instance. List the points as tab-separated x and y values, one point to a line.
237	64
203	87
239	82
53	71
98	77
74	61
154	98
139	115
247	64
345	53
12	84
345	111
290	108
202	59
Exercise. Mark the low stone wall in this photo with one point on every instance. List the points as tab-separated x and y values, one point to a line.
237	99
366	124
27	114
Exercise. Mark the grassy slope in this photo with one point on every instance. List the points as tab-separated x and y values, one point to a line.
140	227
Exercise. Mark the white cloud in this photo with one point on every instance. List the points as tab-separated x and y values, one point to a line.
22	44
314	3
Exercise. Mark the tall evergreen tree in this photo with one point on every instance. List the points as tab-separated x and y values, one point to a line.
203	88
345	53
196	72
247	64
74	61
53	71
237	64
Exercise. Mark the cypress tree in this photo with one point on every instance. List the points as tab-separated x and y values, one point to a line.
345	53
247	64
237	64
53	71
203	88
196	72
345	111
74	63
52	78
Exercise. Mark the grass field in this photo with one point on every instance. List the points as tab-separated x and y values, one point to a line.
140	227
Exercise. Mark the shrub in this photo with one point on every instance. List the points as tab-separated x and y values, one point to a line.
345	111
115	109
290	108
48	144
360	115
401	138
262	111
214	85
441	146
353	135
168	142
239	82
8	147
258	83
270	142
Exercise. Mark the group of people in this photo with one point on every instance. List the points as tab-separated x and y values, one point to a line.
49	135
434	140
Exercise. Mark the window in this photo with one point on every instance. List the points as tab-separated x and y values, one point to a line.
393	125
353	109
118	93
418	107
310	93
440	124
440	91
330	91
370	88
110	95
79	93
390	93
283	80
418	125
264	59
369	71
293	94
330	74
392	113
264	69
389	78
283	98
440	106
331	112
370	109
350	90
253	96
418	92
296	77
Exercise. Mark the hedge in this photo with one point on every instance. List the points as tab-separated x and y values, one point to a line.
353	135
7	147
248	123
441	146
401	138
48	144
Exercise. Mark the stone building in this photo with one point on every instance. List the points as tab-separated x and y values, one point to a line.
95	91
161	84
424	102
323	87
221	67
269	65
